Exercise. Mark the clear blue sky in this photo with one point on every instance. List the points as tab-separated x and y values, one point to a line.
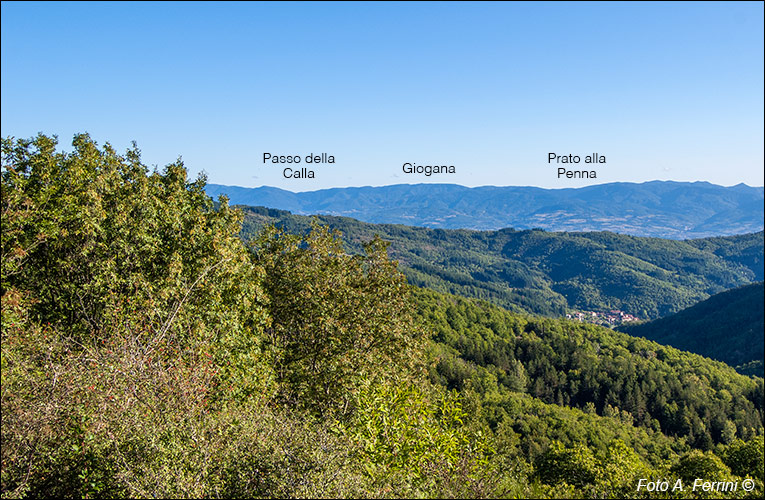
663	90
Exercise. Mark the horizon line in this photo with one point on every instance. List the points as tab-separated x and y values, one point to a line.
486	185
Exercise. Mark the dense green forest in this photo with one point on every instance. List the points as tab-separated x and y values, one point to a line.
592	368
727	326
148	351
550	273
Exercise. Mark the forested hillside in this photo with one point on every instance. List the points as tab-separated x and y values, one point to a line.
728	326
147	351
592	368
550	273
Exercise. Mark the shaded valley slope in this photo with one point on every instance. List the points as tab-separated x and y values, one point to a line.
727	326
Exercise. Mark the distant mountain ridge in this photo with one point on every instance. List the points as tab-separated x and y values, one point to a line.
665	209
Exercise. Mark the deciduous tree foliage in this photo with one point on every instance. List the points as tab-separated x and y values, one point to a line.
336	318
127	300
85	233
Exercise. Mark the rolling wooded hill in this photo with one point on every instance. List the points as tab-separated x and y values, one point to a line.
550	273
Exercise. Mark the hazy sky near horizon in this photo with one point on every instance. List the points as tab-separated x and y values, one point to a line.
669	91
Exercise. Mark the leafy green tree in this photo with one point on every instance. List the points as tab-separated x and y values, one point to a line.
131	311
420	439
699	464
622	469
746	458
84	232
336	317
576	466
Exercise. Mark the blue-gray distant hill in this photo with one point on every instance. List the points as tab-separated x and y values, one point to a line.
665	209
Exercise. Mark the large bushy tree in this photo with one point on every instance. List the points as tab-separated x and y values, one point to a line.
130	311
336	318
